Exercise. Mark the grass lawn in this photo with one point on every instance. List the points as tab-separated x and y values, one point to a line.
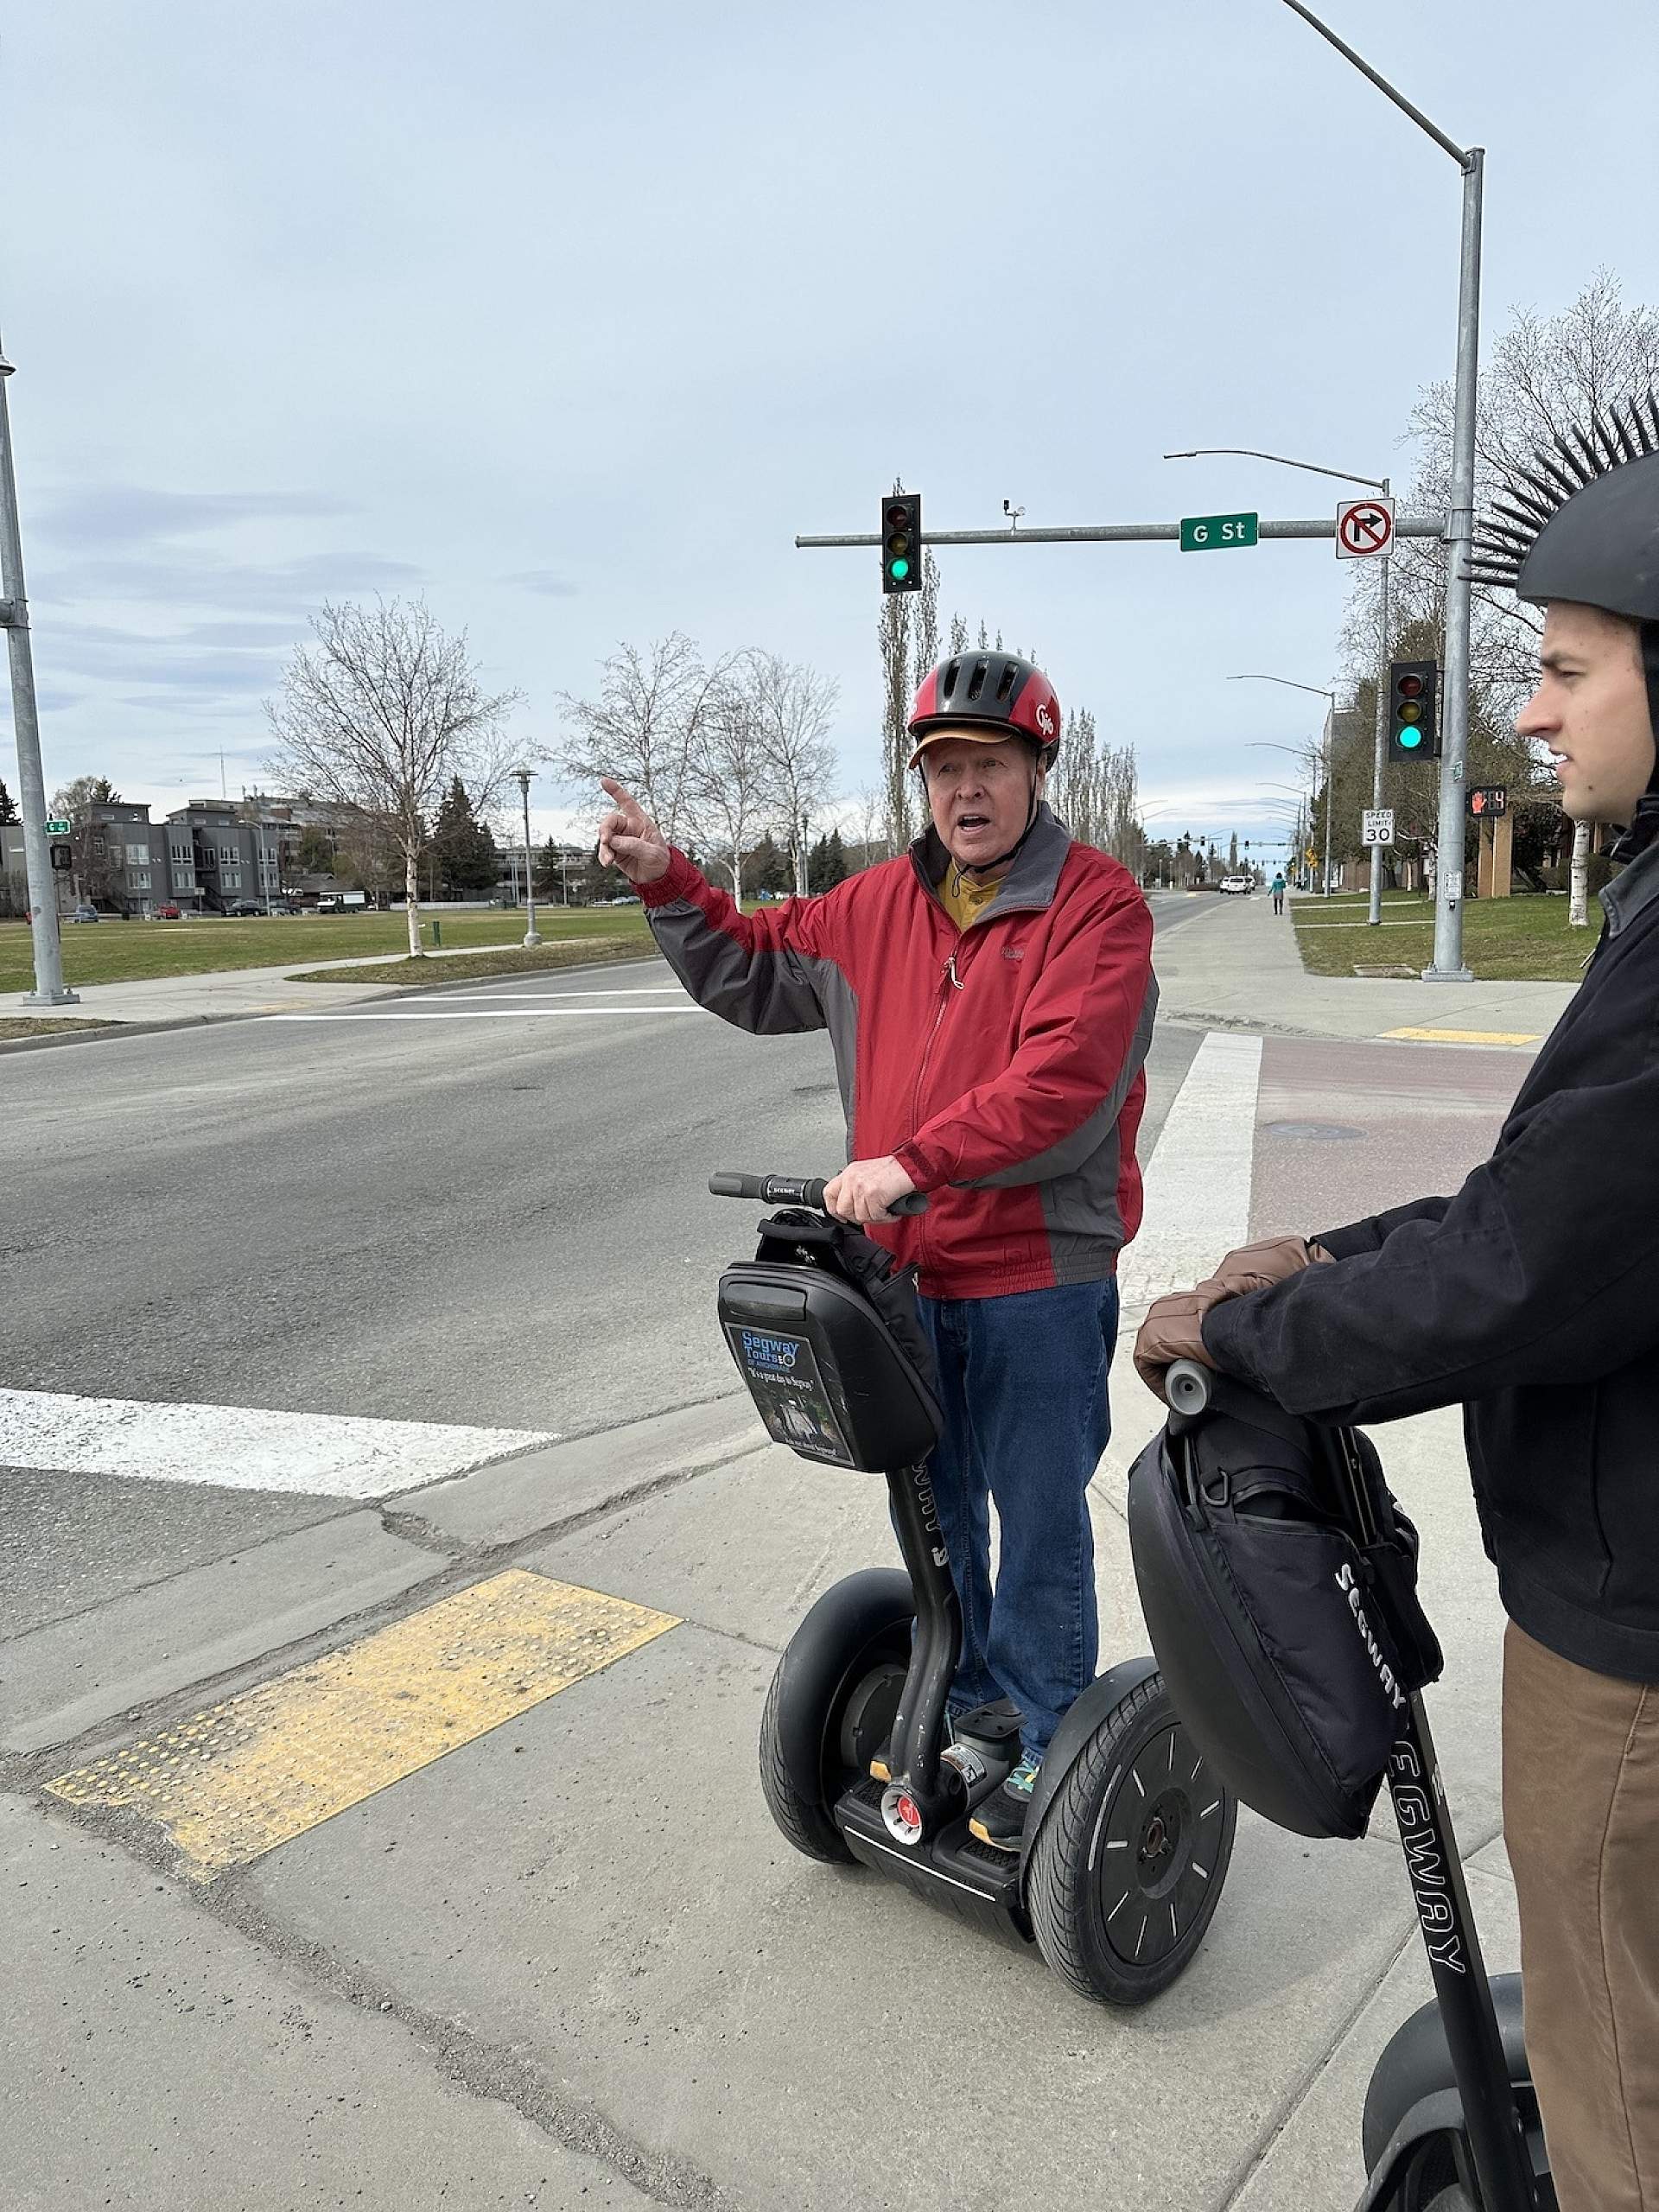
1509	940
507	960
120	952
13	1026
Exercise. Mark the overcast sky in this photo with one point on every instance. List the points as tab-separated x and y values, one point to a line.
571	318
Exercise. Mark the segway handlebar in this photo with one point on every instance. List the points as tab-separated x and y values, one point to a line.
1187	1387
795	1191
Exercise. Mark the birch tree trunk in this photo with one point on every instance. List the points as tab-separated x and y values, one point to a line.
412	893
1578	911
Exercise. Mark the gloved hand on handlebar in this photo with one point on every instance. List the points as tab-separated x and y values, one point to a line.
864	1190
1173	1327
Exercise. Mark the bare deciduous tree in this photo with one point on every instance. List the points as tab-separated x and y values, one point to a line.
892	632
792	706
645	726
379	714
730	787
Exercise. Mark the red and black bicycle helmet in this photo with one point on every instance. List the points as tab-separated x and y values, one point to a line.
985	697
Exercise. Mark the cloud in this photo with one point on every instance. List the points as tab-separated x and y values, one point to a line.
546	581
116	514
291	587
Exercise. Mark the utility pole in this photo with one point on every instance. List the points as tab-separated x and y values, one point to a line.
1447	965
31	780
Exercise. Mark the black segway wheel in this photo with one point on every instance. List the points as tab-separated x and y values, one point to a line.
831	1707
1128	1864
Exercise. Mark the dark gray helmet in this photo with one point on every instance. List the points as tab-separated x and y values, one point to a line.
1582	524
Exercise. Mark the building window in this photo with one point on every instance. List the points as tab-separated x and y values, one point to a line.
232	879
183	854
227	855
138	879
137	855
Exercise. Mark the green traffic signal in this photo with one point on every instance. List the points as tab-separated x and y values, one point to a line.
898	570
1410	739
901	534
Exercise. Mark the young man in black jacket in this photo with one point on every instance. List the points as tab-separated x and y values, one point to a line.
1532	1298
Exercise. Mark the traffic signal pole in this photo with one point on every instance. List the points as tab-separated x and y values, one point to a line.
1376	913
31	781
1118	533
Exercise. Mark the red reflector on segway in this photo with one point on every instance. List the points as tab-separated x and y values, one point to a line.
907	1813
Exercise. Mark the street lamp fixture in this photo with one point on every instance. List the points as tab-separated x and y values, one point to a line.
522	777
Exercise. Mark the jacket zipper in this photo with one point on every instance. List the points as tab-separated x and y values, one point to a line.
949	982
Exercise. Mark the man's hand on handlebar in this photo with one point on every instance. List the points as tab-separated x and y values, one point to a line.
864	1191
629	839
1173	1325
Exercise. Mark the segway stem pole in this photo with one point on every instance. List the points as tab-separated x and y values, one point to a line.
919	1724
1491	2118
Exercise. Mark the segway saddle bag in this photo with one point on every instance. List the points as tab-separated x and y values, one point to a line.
1289	1645
826	1334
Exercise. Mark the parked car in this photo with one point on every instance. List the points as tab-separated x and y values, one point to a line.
170	913
240	909
342	902
1237	886
85	913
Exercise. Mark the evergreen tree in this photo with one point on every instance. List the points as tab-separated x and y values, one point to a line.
462	845
765	869
8	811
827	865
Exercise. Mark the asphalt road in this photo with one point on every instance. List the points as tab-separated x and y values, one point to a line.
490	1209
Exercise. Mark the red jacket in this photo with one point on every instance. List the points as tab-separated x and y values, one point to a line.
1001	1065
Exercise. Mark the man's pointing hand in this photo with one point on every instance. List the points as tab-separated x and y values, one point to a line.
629	839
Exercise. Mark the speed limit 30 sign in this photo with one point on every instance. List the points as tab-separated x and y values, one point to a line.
1365	529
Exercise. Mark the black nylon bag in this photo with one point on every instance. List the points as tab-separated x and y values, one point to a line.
1289	1647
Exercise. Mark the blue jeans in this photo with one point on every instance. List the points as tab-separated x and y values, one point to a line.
1026	1417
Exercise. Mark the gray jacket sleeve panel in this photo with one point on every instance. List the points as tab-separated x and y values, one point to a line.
1066	1157
768	990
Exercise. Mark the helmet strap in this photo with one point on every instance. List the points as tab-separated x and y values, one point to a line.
1643	826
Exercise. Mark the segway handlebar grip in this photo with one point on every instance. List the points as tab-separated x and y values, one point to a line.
1187	1387
794	1191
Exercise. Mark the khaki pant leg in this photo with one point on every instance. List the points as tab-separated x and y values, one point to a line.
1581	1820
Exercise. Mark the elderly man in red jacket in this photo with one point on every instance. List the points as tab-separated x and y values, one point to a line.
989	998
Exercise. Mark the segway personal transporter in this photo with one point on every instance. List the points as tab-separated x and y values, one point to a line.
1127	1844
1305	1716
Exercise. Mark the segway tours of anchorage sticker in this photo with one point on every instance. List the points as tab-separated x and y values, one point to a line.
785	1382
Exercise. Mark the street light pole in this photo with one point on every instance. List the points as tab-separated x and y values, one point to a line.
522	778
31	778
1447	965
1330	698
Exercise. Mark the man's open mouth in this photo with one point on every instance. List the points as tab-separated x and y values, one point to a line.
973	822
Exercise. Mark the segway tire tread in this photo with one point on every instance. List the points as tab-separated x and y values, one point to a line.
810	1829
1057	1899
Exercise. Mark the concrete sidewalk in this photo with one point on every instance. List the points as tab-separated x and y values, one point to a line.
1233	965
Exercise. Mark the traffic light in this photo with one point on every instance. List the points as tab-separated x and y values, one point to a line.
62	857
901	542
1414	729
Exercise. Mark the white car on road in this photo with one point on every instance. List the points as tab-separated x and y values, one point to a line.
1236	885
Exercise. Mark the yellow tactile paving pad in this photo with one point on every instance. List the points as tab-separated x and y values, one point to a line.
1468	1036
232	1782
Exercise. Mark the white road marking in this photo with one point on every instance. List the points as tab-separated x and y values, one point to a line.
478	1013
1198	1181
547	998
242	1447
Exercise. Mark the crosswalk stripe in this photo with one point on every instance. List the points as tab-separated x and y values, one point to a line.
243	1447
1199	1180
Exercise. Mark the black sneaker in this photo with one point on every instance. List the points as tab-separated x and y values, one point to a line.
1000	1820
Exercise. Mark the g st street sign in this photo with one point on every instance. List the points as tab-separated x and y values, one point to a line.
57	828
1209	533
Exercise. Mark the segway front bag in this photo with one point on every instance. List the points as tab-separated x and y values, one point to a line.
1289	1648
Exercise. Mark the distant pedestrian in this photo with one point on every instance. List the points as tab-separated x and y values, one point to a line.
1277	887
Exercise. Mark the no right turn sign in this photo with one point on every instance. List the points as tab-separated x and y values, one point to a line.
1365	529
